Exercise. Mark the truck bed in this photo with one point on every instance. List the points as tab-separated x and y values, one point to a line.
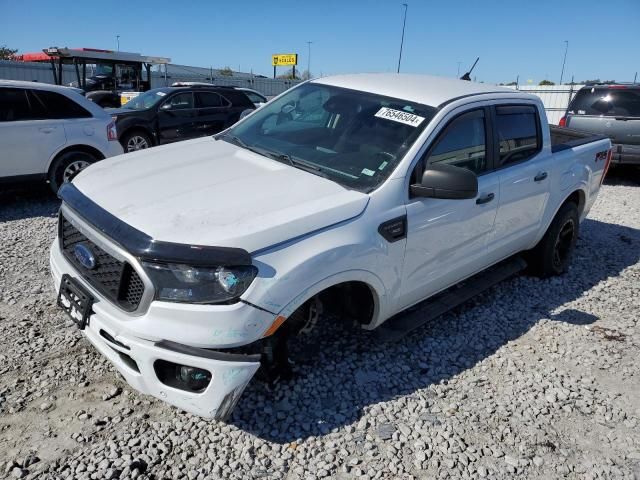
564	138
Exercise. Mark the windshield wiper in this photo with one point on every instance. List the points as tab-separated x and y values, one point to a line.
301	164
240	143
282	157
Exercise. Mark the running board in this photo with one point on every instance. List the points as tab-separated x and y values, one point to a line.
397	327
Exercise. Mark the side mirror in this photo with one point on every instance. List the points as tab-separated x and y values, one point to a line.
447	182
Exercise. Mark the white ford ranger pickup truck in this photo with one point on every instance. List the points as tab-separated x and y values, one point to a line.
192	265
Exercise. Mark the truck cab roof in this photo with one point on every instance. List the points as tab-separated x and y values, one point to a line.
424	89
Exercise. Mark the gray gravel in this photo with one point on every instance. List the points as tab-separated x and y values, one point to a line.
533	379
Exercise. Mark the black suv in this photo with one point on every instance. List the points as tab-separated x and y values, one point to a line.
170	114
612	110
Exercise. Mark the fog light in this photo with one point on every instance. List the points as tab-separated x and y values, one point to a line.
182	377
195	378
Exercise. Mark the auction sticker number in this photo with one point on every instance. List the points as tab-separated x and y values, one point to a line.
400	116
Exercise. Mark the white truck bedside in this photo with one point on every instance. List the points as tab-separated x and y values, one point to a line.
192	265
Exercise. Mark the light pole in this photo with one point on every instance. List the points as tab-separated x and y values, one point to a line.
309	60
566	47
118	41
404	23
458	75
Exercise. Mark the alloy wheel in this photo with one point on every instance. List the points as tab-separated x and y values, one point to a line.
137	143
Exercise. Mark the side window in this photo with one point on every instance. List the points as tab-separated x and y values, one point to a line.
462	143
14	105
181	101
517	129
255	98
58	106
208	100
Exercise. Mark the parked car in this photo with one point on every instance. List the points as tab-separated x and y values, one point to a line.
50	133
195	264
170	114
256	97
612	110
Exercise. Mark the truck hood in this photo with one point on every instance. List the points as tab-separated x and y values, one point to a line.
209	192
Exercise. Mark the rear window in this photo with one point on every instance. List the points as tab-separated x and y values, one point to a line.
14	105
209	99
622	102
56	105
517	128
238	98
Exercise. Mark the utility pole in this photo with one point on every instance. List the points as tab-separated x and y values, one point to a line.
118	41
458	74
566	47
404	23
309	60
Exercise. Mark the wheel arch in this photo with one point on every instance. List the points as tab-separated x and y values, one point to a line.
74	148
361	278
137	128
577	195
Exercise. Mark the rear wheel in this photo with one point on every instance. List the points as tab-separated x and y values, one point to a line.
136	140
552	255
65	168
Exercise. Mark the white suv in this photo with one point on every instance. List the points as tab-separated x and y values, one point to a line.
51	133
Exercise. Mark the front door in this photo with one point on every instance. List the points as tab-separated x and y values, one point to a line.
176	118
447	239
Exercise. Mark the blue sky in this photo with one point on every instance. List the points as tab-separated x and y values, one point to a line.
511	38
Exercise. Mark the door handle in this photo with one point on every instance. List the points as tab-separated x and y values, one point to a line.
485	198
47	129
539	177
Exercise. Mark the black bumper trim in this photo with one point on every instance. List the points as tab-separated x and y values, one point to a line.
142	245
205	353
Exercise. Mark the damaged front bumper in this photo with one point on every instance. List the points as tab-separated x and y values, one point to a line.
138	361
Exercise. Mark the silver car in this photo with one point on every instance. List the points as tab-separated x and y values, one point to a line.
612	110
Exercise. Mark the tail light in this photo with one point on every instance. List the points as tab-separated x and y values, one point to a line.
562	122
112	133
606	165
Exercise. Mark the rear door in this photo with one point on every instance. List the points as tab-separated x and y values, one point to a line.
613	111
177	118
447	239
524	178
213	110
28	137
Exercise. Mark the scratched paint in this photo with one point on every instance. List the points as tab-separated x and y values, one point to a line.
232	375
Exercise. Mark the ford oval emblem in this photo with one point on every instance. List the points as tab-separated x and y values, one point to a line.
85	256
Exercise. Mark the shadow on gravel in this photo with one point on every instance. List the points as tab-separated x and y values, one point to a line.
27	201
340	369
624	176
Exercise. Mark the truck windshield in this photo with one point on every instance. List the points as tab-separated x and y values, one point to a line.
353	138
145	100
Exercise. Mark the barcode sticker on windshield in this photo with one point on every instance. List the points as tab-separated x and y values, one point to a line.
399	116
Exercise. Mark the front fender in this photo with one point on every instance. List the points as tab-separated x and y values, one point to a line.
375	284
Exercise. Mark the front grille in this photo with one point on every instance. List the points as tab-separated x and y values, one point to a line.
115	279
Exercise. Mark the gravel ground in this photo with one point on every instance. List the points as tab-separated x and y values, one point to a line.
533	379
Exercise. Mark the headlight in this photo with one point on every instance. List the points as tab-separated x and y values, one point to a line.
185	283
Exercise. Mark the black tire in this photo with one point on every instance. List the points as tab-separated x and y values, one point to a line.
552	255
67	166
134	138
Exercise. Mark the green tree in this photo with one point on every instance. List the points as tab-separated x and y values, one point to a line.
546	82
511	84
7	53
226	71
288	75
